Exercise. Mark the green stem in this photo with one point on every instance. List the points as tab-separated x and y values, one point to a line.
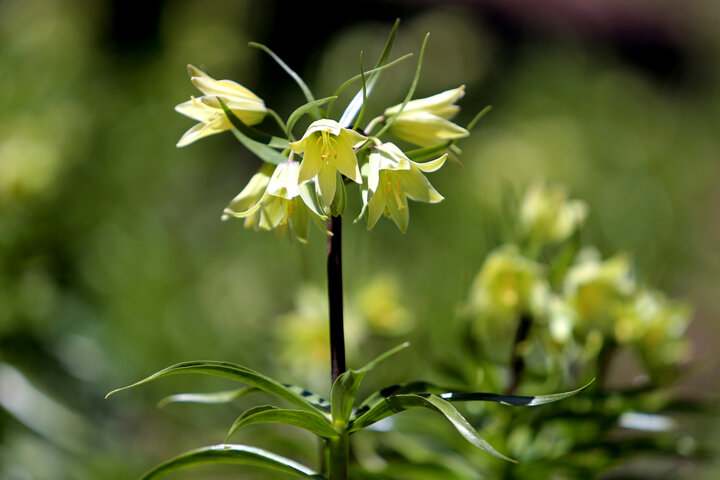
517	362
338	452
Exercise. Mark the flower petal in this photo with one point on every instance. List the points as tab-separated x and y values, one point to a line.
345	160
417	187
376	207
432	165
425	129
326	179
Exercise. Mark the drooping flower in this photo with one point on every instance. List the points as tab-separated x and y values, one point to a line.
392	179
509	285
328	148
207	110
547	216
599	290
273	200
426	121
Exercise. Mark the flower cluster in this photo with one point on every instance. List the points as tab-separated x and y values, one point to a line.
304	180
582	306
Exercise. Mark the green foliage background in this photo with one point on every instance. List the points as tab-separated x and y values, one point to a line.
113	261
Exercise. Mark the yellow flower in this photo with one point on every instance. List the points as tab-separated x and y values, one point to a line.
599	290
426	121
328	148
547	216
509	285
207	109
273	200
392	179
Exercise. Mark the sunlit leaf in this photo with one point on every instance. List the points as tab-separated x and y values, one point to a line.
233	372
357	102
302	110
303	86
411	90
346	385
399	403
232	454
225	396
261	149
297	418
357	77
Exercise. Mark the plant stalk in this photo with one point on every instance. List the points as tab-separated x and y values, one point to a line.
337	448
335	296
517	362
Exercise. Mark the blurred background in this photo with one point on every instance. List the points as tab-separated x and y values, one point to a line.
114	262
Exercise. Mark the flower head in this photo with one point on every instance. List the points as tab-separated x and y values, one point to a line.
508	285
599	290
426	121
273	200
392	179
547	216
207	109
328	148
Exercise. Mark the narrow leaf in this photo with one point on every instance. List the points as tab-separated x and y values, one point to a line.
303	86
356	103
225	396
346	386
298	418
399	403
514	400
364	91
302	110
232	454
477	117
349	82
233	372
261	149
411	91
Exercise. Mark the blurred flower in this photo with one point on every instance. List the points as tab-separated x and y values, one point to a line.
547	216
426	121
304	336
247	106
656	327
598	290
508	285
328	148
378	302
273	200
392	179
560	318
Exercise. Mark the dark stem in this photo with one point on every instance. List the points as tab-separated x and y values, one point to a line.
517	363
335	296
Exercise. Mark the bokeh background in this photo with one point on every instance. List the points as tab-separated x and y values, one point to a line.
114	262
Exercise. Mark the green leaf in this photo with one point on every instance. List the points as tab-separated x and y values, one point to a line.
260	148
400	403
303	86
346	385
364	91
411	91
233	372
302	110
429	153
357	102
225	396
513	400
348	82
298	418
252	133
232	454
477	117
